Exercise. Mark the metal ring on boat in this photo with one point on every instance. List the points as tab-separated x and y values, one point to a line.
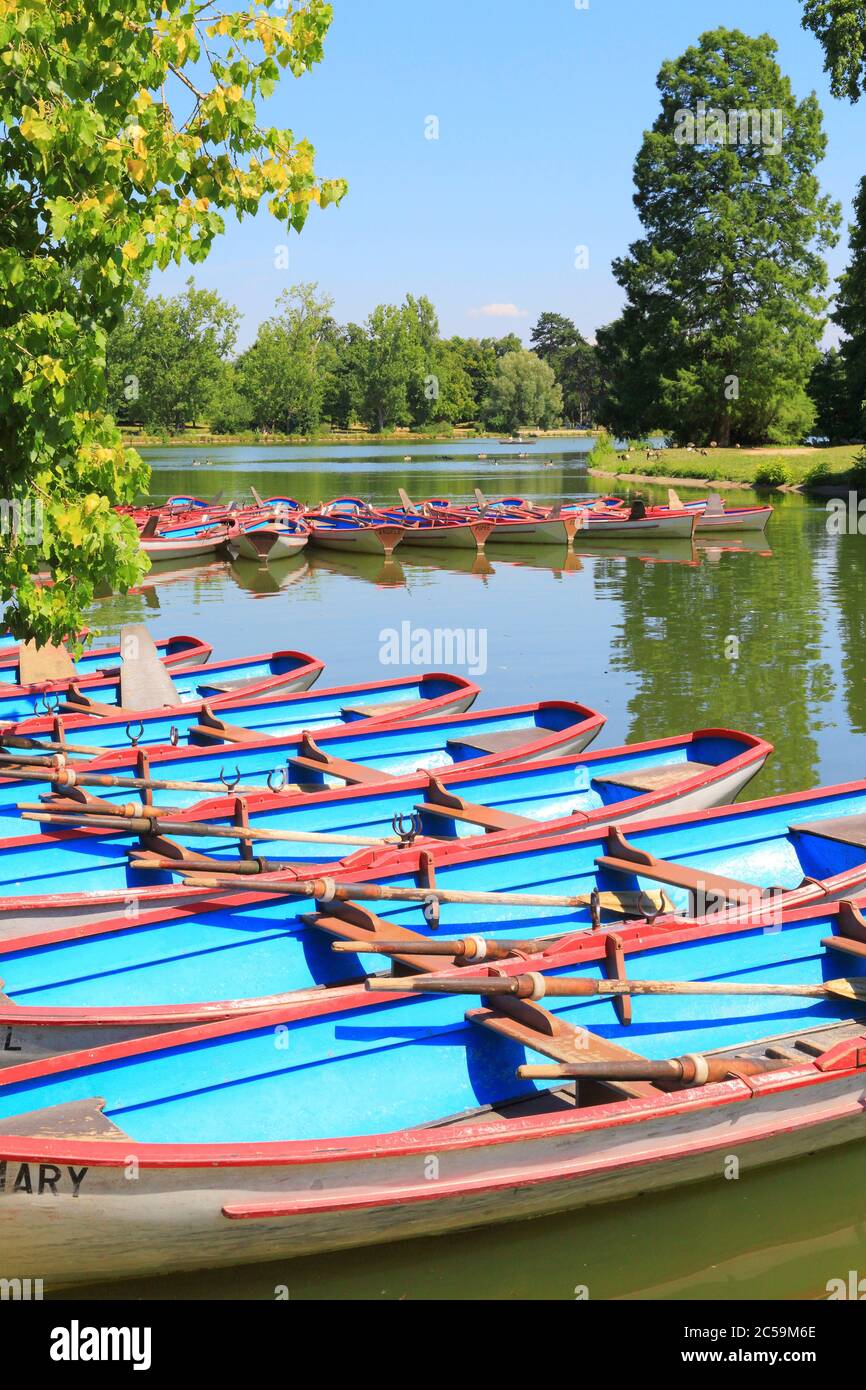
539	988
174	736
133	738
275	785
50	703
702	1071
230	782
474	948
329	891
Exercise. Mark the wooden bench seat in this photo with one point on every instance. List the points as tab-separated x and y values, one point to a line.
846	830
654	779
354	922
381	711
535	1027
500	742
625	858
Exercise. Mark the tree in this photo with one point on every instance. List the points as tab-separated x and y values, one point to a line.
284	373
850	315
558	341
840	27
828	390
724	292
126	131
524	392
167	357
400	382
343	401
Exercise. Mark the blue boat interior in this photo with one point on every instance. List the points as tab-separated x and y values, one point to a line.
268	947
396	1064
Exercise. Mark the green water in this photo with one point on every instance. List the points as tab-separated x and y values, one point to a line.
758	634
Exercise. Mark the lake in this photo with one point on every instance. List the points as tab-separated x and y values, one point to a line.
758	634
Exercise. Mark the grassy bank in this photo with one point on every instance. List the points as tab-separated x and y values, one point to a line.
797	466
201	437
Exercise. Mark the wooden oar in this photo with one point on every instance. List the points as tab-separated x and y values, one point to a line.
535	986
474	948
327	890
48	745
153	825
694	1070
70	777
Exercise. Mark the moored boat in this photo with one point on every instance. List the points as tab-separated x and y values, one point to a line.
117	981
349	1121
271	540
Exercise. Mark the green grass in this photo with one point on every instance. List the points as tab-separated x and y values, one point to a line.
760	467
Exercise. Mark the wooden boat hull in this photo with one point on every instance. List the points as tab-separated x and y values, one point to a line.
735	519
603	526
269	543
359	540
535	531
175	653
468	535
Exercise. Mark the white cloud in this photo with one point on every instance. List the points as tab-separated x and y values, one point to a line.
499	311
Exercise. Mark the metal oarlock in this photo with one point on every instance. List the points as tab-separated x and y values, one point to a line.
50	703
134	737
406	828
174	735
230	782
277	779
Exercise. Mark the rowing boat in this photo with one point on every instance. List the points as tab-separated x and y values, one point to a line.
123	979
16	663
355	534
241	719
185	542
252	676
428	527
76	876
350	1120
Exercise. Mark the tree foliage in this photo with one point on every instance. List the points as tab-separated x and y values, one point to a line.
127	131
724	291
283	375
167	359
523	392
558	342
840	27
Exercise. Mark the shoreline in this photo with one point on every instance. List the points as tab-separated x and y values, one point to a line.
204	439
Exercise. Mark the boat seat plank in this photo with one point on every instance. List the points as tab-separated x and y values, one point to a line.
380	711
340	767
38	665
218	732
471	814
226	687
536	1028
353	922
680	876
847	830
500	742
144	680
77	1119
652	779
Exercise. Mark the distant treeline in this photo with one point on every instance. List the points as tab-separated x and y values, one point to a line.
173	362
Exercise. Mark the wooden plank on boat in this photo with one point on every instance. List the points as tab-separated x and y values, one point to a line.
76	1119
538	1029
353	922
470	814
316	759
626	858
846	830
144	680
382	711
38	665
652	779
499	742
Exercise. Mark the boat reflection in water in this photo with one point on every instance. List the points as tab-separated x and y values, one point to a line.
385	573
261	580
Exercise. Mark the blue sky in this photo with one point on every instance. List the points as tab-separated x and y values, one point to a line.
541	109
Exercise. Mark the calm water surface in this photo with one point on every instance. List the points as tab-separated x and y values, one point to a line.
759	634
